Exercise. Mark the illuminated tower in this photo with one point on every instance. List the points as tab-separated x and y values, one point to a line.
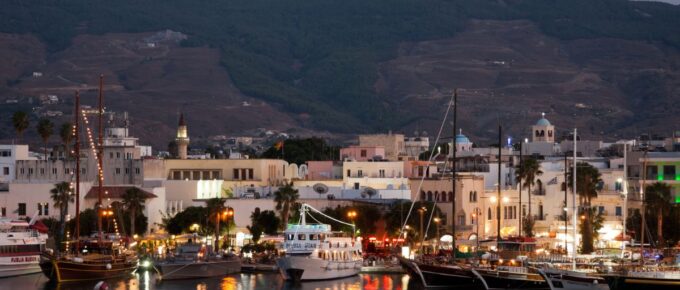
182	138
543	131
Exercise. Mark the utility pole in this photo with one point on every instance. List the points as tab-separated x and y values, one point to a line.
498	208
453	177
521	171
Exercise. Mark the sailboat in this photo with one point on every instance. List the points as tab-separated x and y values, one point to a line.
91	259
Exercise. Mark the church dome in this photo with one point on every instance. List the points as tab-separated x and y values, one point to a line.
543	122
462	139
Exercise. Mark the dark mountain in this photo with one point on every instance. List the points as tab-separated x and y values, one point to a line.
611	66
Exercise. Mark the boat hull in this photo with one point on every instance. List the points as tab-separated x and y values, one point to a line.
576	281
502	280
68	271
305	268
617	282
441	276
19	265
217	268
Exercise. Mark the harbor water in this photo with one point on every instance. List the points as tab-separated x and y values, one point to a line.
256	281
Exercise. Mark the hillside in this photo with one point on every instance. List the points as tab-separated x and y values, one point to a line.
351	66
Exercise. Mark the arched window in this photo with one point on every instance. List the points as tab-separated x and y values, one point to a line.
443	196
542	133
451	195
422	195
429	196
550	133
471	197
436	196
538	134
488	214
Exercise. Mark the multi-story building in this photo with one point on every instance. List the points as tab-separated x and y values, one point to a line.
393	144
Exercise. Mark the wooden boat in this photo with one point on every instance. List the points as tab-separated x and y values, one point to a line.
101	262
96	258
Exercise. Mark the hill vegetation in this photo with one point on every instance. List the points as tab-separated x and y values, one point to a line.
317	59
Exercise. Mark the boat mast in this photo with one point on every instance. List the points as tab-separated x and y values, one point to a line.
642	210
100	174
453	177
77	152
566	206
498	209
574	209
624	189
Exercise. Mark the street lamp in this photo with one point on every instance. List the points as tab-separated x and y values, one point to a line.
351	215
422	211
436	222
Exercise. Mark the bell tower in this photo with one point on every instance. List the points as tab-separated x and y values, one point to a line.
543	131
182	138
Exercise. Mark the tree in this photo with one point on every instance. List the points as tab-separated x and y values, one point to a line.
597	222
263	222
45	129
300	151
528	172
66	135
215	208
61	197
658	199
20	121
182	221
528	227
587	180
285	198
133	201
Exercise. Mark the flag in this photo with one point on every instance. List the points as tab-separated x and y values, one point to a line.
279	145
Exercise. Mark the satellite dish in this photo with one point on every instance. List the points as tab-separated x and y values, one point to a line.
320	188
368	192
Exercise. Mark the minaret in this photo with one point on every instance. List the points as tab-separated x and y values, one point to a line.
182	138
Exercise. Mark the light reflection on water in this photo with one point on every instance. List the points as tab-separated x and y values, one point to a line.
148	281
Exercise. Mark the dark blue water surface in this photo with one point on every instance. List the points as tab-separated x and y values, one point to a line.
267	281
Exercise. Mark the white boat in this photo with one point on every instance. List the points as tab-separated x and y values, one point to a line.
20	247
314	253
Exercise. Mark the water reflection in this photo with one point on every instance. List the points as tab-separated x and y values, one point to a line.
148	281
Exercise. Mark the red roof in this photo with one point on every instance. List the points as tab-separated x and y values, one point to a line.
115	192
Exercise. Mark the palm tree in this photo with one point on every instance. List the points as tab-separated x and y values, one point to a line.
285	198
215	208
658	200
587	180
133	201
530	169
45	129
61	197
20	122
66	134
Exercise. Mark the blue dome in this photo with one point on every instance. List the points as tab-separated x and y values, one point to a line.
462	139
543	122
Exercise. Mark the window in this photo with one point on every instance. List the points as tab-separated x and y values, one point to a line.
669	172
652	171
312	237
349	173
250	173
54	171
196	175
117	170
488	214
137	170
176	175
42	171
5	153
618	211
236	174
3	211
111	155
363	153
360	173
600	210
67	170
22	209
30	171
21	170
127	170
617	186
302	237
381	172
216	174
43	208
118	155
356	185
290	237
5	171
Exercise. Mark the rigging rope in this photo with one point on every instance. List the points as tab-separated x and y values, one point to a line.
422	178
